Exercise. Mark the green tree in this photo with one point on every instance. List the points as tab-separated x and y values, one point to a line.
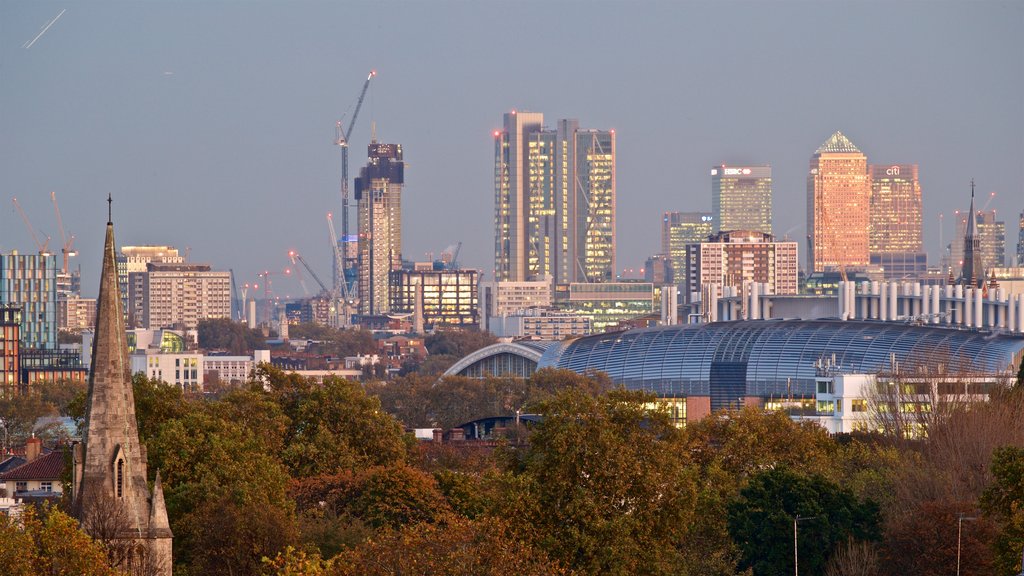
1003	501
337	425
458	343
602	485
761	521
226	334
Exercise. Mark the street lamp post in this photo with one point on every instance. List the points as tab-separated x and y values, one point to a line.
796	558
959	530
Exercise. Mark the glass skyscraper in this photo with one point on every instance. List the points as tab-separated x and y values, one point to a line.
378	193
838	206
895	227
554	201
30	281
741	198
679	229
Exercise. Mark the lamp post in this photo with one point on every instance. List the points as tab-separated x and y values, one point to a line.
796	558
959	530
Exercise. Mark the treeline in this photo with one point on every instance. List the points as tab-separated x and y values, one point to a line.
302	478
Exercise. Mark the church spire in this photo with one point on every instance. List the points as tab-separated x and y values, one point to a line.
110	467
971	271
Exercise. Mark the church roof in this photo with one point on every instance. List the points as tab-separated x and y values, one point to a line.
47	467
837	143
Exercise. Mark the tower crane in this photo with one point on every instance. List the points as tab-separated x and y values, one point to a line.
296	256
292	255
340	295
66	242
342	138
42	246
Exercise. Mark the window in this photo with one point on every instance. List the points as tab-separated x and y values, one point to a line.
46	486
859	405
20	486
119	480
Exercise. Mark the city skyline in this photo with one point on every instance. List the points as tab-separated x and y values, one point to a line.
213	141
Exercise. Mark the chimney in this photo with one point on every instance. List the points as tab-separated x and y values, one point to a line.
33	447
438	435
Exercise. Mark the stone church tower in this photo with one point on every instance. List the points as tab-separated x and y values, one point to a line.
111	498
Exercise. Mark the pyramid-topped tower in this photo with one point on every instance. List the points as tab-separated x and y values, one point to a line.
111	497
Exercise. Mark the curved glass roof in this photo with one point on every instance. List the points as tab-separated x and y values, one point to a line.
777	357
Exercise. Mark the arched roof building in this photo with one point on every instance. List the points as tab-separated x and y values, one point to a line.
740	361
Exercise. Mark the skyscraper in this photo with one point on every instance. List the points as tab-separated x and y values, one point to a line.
679	229
895	227
554	201
1020	241
30	281
838	205
741	198
378	192
991	235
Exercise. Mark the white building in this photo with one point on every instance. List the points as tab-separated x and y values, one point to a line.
541	324
508	298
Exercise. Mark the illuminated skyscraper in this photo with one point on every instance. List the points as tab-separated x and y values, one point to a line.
1020	241
838	205
554	201
991	236
741	198
679	229
895	227
378	192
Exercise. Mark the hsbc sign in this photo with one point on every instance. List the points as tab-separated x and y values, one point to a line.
736	171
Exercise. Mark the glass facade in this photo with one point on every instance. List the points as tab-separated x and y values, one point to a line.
679	229
449	296
30	281
895	224
776	359
378	192
838	206
10	333
610	303
741	198
554	203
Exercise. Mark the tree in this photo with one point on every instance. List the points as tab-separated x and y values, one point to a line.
923	540
602	485
761	521
458	343
226	334
455	547
1003	501
47	541
337	425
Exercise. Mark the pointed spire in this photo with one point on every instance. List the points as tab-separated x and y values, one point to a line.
159	525
837	143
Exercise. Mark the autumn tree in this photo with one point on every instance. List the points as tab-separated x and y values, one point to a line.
48	541
761	521
226	334
602	485
1003	502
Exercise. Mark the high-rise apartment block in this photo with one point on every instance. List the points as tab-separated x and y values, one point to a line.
838	206
741	198
180	295
378	193
895	221
30	281
679	229
554	201
131	267
731	259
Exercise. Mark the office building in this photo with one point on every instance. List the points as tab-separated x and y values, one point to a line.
10	334
1020	241
991	237
30	281
679	229
838	206
741	198
554	201
736	258
541	324
658	270
609	303
509	298
894	238
446	297
131	264
180	295
75	314
378	193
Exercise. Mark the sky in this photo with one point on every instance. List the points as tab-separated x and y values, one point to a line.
211	123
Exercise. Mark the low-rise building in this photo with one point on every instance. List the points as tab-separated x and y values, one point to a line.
541	324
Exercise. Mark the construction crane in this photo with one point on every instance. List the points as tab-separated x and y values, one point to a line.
66	242
298	272
43	247
342	138
296	256
340	296
236	305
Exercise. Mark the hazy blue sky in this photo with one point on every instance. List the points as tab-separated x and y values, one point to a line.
212	123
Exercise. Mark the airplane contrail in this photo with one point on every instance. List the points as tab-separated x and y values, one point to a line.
29	44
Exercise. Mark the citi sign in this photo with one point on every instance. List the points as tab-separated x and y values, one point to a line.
893	171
